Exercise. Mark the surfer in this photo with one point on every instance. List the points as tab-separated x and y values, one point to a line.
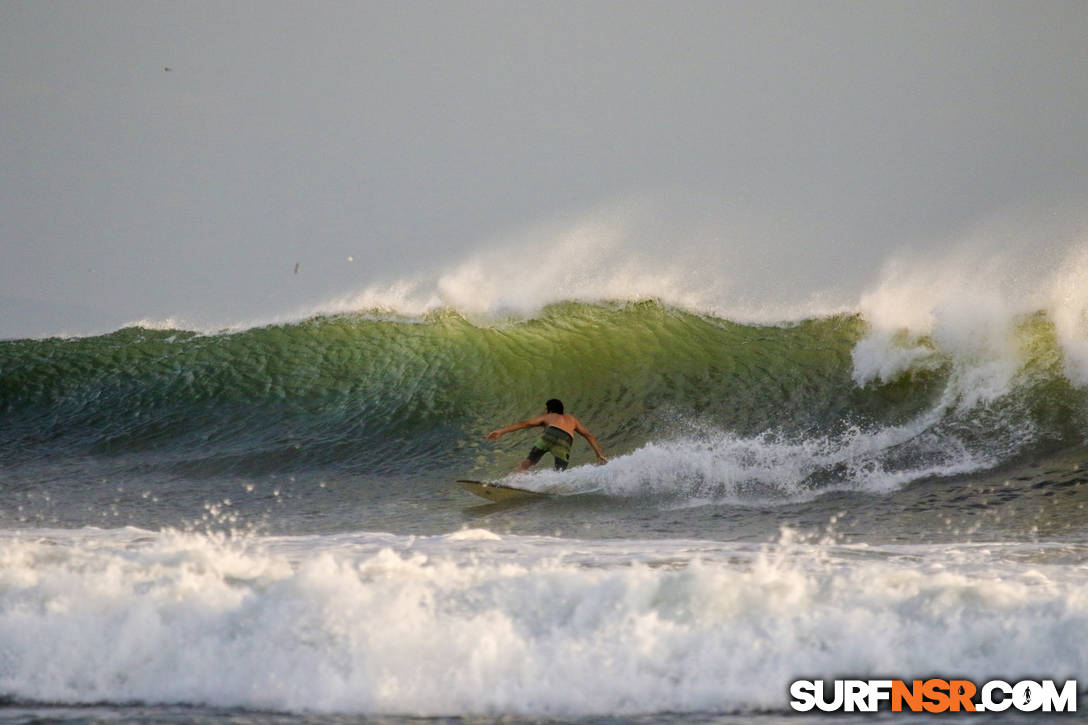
556	439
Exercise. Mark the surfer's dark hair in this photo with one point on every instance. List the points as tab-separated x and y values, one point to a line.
555	405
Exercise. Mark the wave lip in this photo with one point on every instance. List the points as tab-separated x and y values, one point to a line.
535	627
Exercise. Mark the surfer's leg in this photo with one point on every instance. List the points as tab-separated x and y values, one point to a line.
560	449
532	459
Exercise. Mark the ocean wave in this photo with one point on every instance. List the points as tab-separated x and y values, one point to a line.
454	625
827	401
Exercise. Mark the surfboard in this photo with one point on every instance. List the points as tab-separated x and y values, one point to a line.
499	492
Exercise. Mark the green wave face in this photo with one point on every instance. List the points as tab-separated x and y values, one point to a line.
396	396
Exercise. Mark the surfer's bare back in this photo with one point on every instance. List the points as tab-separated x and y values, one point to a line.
556	439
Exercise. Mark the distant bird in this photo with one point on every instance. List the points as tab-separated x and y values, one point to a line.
296	267
168	69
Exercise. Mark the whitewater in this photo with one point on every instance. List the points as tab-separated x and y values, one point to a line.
258	522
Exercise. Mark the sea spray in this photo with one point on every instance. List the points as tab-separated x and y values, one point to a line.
474	623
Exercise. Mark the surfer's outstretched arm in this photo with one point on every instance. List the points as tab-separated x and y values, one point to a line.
528	423
591	439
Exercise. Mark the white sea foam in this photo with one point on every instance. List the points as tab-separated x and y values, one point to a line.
964	309
444	625
772	468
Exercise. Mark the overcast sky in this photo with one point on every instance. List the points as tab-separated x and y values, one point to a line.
180	159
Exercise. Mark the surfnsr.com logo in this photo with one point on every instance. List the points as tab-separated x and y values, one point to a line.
933	695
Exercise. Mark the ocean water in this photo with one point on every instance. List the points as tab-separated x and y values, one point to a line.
260	524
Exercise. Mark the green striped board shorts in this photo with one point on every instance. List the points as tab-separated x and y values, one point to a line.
555	441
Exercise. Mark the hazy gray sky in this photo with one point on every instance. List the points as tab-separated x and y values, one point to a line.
791	146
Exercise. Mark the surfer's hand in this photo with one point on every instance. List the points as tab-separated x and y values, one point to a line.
601	460
494	435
